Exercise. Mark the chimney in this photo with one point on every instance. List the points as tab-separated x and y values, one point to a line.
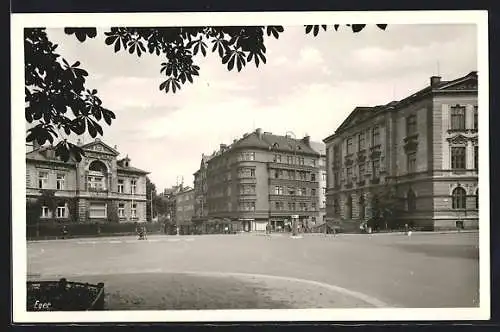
258	131
307	140
435	80
223	147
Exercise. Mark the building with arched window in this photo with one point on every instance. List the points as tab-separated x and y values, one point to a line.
422	148
100	188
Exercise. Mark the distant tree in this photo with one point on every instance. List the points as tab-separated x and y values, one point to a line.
150	196
58	103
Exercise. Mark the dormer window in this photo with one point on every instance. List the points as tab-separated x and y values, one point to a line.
126	163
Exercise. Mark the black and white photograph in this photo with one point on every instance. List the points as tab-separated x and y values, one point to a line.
250	166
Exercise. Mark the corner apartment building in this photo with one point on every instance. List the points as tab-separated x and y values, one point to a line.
423	148
264	179
99	188
200	214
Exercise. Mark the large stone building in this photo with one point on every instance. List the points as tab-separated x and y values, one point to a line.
200	215
422	149
264	179
185	210
99	188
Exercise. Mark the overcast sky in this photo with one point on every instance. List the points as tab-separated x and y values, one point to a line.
308	86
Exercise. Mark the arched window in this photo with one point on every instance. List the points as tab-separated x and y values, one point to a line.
458	198
97	176
98	166
411	201
361	207
477	198
349	207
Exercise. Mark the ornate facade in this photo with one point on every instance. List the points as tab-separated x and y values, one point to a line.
99	188
422	149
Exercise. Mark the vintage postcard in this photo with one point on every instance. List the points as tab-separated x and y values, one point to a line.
202	167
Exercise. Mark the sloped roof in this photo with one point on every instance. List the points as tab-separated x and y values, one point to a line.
131	169
362	113
47	153
267	140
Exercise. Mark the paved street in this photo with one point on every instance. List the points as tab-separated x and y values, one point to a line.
426	270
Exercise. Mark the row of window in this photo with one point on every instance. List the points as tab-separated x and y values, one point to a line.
246	172
292	206
43	180
96	210
283	190
295	175
361	139
94	182
294	160
375	167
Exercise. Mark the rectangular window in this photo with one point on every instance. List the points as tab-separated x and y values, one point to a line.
376	168
133	210
336	156
476	124
43	180
476	157
278	190
313	192
289	159
97	210
301	160
313	206
458	118
277	158
133	186
291	206
61	211
458	157
120	186
60	182
45	212
313	162
349	174
323	177
245	156
313	177
121	210
336	179
375	136
302	192
349	145
361	171
411	159
361	141
411	125
96	183
324	191
291	191
252	172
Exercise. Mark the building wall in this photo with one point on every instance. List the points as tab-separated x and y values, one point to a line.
76	187
433	181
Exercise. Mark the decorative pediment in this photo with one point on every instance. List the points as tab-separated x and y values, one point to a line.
458	139
100	147
465	83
